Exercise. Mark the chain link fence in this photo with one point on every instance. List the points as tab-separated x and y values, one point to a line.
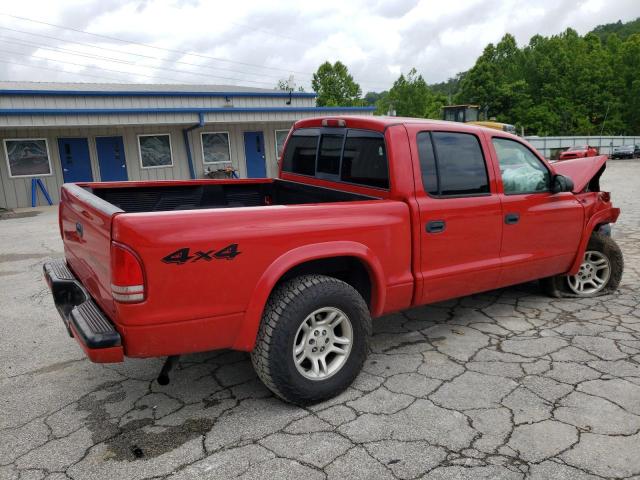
550	147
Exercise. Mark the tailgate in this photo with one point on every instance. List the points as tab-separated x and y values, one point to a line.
85	224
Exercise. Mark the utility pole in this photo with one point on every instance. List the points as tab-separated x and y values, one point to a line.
604	121
391	112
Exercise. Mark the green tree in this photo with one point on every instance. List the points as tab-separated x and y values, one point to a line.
450	88
495	82
371	98
335	86
565	84
410	96
622	30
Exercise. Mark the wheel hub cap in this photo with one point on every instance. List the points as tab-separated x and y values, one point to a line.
322	343
593	274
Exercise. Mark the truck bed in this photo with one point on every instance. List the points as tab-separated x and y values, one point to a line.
207	195
192	220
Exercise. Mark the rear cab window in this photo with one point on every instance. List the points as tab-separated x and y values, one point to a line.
338	154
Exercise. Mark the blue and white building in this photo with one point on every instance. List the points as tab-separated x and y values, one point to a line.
60	132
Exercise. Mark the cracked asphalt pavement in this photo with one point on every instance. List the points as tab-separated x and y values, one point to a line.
509	384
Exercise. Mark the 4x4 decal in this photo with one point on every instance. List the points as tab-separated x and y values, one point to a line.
183	255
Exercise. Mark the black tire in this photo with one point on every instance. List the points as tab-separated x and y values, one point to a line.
286	309
557	286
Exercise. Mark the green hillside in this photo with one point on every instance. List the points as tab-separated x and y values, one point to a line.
623	30
565	84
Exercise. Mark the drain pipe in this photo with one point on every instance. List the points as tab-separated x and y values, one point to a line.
187	144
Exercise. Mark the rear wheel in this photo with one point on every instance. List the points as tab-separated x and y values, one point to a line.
599	274
313	339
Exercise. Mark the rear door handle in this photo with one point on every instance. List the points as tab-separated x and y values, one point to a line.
511	218
436	226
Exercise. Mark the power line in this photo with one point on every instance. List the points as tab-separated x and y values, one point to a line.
135	54
268	32
99	68
102	77
41	46
182	52
116	39
125	62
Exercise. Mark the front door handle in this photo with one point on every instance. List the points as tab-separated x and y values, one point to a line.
511	218
436	226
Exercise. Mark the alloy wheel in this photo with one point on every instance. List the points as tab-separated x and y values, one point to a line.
593	275
322	343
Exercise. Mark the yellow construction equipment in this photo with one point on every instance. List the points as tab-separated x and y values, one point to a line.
472	114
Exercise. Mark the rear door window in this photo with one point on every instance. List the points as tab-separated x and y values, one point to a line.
452	164
345	155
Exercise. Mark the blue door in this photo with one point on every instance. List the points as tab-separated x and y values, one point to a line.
113	165
74	157
254	154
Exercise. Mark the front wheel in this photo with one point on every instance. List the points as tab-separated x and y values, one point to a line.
313	339
599	274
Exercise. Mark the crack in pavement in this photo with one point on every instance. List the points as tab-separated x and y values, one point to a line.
508	384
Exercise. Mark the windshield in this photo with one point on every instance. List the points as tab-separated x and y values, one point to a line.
577	148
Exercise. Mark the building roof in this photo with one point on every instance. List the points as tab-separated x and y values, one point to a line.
90	104
139	89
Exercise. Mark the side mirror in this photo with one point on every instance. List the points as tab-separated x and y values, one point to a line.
562	184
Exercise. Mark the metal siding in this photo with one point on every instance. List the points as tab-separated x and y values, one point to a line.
17	192
236	143
96	102
48	116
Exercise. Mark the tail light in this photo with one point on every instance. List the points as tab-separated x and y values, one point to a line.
127	276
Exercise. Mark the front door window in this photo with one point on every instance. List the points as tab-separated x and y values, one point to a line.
521	170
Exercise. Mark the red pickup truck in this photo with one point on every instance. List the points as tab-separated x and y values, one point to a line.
369	215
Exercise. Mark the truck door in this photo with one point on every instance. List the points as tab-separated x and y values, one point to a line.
541	229
460	215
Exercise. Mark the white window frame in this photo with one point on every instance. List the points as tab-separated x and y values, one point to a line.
230	161
155	135
275	137
6	154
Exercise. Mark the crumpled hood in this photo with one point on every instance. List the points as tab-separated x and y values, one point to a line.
581	170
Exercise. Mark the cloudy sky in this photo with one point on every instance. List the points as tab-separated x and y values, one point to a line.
257	42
